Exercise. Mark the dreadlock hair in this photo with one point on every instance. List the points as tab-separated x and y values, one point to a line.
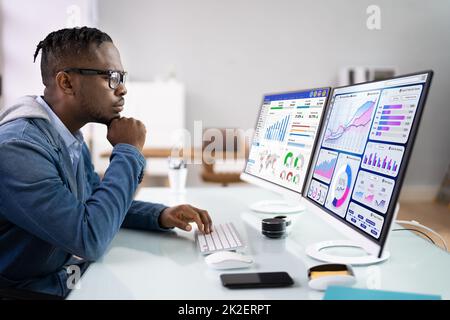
60	47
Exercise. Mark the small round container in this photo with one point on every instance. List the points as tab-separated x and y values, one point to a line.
275	227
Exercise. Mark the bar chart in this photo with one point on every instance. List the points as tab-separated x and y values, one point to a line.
277	130
302	135
383	158
395	115
304	126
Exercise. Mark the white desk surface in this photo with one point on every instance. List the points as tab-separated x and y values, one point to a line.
153	265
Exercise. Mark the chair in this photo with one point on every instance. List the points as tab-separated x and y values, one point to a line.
425	232
224	151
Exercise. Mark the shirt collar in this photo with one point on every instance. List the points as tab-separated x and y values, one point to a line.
68	138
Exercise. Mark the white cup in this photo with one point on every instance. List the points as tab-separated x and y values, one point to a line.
177	179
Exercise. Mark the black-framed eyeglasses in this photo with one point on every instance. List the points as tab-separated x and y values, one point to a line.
115	77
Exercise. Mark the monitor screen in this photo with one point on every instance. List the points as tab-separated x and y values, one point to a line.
285	134
363	149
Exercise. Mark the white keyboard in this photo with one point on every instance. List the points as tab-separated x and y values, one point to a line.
223	237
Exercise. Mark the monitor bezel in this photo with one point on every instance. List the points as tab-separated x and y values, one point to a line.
258	181
370	244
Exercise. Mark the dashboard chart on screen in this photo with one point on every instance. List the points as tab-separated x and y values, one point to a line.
350	121
285	135
359	157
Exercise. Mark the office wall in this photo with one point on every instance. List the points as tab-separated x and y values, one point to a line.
230	52
23	24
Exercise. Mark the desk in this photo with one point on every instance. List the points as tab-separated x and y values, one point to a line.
146	265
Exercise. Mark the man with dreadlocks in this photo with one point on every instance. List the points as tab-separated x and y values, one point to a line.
55	211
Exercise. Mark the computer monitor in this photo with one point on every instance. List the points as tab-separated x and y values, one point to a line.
360	161
280	153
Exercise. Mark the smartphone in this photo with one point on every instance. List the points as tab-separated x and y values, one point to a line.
256	280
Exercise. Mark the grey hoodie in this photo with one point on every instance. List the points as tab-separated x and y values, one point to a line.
25	107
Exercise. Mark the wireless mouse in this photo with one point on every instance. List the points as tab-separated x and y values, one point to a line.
228	260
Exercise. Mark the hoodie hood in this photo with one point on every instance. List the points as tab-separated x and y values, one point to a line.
25	107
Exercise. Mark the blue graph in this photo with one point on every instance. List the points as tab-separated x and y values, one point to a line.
277	131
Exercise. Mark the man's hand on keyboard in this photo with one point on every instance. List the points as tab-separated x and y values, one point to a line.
180	217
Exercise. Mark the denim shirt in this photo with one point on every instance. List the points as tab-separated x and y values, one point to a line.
73	142
49	214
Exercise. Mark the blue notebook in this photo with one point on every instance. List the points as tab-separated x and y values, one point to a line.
347	293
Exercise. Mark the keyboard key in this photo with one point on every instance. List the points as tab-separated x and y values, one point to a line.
230	236
235	235
209	241
202	243
223	237
217	242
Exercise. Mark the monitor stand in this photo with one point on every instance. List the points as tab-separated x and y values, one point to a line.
285	206
317	251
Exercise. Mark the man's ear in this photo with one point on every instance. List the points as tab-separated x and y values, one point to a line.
64	82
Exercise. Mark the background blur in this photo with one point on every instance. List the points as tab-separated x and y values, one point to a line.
212	60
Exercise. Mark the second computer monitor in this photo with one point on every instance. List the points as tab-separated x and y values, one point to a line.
361	158
284	138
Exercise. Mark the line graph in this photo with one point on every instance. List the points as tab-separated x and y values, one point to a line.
373	190
350	120
361	118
